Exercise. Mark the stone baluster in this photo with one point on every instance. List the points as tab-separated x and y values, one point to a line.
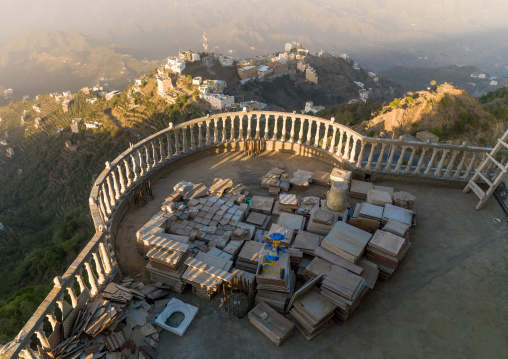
72	295
91	279
300	134
121	177
43	339
470	166
401	159
267	128
146	160
64	308
450	165
258	126
284	129
216	131
461	165
154	154
440	165
309	131
353	144
192	138
420	161
339	145
360	155
161	149
105	258
431	162
316	136
240	128
81	283
134	169
208	133
334	136
488	170
170	145
371	156
249	127
410	162
52	320
110	191
178	151
325	137
224	130
275	128
98	268
200	135
388	167
347	146
292	124
115	185
380	157
127	171
185	146
102	207
105	200
141	164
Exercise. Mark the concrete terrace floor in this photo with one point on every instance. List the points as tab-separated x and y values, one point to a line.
448	298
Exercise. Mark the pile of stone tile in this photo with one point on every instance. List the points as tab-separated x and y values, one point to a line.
321	178
272	324
321	221
248	258
387	250
307	204
167	262
301	179
344	289
346	241
312	313
205	273
275	285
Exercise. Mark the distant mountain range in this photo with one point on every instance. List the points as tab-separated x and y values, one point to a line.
37	62
469	78
378	33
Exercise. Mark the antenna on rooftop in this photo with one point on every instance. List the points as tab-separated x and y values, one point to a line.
205	42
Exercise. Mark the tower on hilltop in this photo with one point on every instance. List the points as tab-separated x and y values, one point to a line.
205	42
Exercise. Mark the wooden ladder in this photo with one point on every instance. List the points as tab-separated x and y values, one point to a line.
490	159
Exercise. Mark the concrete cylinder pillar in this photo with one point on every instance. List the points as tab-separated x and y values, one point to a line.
337	196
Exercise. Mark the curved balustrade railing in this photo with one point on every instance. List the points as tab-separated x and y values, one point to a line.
294	131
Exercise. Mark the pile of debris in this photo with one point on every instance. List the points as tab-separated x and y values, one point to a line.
120	319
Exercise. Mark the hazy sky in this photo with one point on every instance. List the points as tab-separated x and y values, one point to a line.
241	24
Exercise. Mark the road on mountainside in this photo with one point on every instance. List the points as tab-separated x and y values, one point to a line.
117	124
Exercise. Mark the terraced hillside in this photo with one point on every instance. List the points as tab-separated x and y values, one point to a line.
44	187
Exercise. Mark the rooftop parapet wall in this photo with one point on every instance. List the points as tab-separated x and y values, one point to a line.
303	134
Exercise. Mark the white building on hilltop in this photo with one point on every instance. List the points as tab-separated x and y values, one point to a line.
220	102
176	64
226	61
309	107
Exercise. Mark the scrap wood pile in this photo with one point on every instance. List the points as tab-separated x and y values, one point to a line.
118	320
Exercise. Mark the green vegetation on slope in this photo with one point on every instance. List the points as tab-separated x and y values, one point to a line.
45	187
